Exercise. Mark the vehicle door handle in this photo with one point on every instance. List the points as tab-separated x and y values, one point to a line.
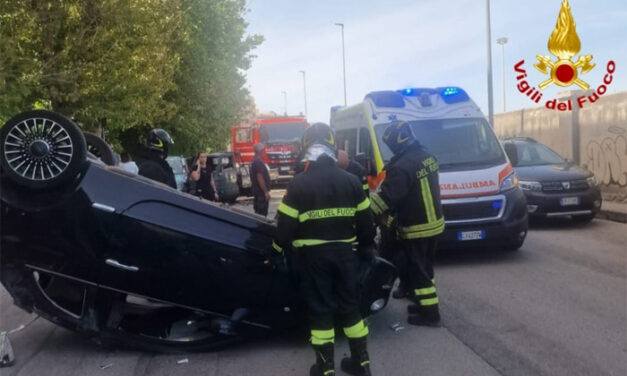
115	264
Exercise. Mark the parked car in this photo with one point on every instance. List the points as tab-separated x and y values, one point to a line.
133	262
243	176
179	167
554	186
224	175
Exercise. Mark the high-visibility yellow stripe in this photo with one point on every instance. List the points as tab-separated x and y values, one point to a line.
310	242
366	187
329	372
427	199
378	205
287	210
364	363
422	234
429	302
365	204
425	291
423	227
327	213
320	337
358	330
277	247
430	201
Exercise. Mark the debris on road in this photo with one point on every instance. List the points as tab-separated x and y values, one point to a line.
183	361
105	366
397	327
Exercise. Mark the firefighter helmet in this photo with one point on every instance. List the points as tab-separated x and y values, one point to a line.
159	140
398	136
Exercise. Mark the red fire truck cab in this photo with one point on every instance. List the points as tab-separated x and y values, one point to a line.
281	135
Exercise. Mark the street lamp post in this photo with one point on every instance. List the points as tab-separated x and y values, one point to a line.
502	42
304	91
489	41
284	102
341	25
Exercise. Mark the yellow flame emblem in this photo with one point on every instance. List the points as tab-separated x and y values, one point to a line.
564	43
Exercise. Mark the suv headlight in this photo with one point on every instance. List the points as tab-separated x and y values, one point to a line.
511	181
592	181
530	186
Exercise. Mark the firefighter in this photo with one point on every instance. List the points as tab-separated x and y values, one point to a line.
152	163
323	212
411	193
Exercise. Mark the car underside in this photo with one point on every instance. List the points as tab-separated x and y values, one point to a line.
132	262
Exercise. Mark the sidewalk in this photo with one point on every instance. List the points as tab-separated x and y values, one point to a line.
614	211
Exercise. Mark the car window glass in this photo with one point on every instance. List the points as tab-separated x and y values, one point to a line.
365	143
347	140
530	154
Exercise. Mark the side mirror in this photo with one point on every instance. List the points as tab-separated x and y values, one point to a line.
512	153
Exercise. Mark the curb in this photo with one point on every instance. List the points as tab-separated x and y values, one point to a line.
613	216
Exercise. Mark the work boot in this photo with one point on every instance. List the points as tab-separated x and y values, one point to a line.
325	364
423	316
358	364
401	291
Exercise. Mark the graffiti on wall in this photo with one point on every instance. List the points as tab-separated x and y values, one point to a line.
607	157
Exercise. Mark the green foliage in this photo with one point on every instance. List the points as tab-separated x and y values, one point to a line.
175	64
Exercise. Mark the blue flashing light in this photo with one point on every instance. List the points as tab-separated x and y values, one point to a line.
452	94
450	91
408	91
497	204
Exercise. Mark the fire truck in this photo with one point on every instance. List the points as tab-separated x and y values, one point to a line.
281	135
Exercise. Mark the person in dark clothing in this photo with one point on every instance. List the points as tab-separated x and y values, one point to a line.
411	193
152	163
322	213
201	179
345	163
260	179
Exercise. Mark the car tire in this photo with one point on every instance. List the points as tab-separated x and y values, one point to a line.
40	149
98	147
584	218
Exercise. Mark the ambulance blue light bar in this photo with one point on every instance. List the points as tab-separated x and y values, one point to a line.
453	94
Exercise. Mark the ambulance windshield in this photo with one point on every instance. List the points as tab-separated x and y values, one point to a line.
466	143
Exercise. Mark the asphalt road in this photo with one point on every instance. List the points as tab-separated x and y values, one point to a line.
556	307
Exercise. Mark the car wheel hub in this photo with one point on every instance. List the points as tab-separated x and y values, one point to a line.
38	149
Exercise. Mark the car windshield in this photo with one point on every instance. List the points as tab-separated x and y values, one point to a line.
456	143
281	132
531	154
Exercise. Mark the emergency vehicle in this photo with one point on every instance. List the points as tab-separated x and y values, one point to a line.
481	200
281	135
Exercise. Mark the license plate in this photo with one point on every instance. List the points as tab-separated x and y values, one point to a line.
470	235
285	168
566	201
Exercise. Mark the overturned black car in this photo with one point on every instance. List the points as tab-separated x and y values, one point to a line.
133	262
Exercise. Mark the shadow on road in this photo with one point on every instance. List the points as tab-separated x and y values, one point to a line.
485	256
562	223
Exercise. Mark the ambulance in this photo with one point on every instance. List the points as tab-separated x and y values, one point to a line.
481	201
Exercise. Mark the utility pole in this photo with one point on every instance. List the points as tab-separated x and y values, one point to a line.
502	42
284	102
304	91
341	25
489	41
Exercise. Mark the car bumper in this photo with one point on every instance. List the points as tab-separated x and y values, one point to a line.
510	227
540	204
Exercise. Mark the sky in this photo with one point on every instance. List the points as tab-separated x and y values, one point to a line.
394	44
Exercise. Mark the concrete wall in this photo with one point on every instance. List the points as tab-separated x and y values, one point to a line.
594	136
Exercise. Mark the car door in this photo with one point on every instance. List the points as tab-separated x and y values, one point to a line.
189	253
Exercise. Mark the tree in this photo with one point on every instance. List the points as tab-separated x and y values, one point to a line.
177	64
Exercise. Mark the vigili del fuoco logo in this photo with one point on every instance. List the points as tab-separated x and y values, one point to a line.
563	44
